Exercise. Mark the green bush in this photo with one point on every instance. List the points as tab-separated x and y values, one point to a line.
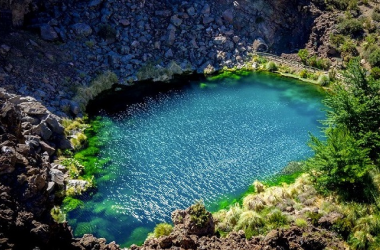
300	222
337	40
374	58
323	80
375	73
199	214
337	4
376	15
350	27
303	73
303	55
277	219
271	66
162	229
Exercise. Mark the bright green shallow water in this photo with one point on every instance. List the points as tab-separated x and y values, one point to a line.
210	142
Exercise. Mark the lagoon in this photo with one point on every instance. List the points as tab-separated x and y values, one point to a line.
209	141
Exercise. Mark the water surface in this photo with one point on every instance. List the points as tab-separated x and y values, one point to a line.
210	141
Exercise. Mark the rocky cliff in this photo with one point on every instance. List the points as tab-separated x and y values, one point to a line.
138	39
29	136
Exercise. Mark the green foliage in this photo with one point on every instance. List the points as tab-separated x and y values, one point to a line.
323	80
162	229
375	73
303	73
250	222
314	217
337	4
75	169
70	204
376	14
271	66
337	40
199	214
341	163
374	58
57	214
303	55
277	219
300	222
350	27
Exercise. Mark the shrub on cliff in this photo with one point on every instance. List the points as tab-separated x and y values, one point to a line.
374	58
101	83
271	66
199	214
162	229
350	27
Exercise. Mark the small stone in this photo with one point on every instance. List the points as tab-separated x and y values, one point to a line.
175	20
95	3
169	53
4	49
124	22
82	29
228	15
207	20
206	9
48	33
191	11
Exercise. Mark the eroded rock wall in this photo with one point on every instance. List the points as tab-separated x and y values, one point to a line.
29	135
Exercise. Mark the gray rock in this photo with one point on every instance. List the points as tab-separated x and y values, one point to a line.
228	15
175	20
57	176
95	3
48	33
42	130
47	148
191	11
206	9
220	40
260	45
50	186
20	99
169	53
82	29
171	36
163	13
207	20
33	108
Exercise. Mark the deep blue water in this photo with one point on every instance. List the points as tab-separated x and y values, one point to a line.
207	142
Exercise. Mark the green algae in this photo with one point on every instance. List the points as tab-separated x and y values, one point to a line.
70	204
276	180
138	236
89	156
84	227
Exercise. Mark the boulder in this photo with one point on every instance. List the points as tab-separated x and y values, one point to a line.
33	108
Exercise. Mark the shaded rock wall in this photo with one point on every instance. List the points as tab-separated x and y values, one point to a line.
29	135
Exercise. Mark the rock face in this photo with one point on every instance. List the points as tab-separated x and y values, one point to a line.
27	178
139	40
186	235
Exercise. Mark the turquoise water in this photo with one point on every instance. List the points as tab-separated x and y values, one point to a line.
209	141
